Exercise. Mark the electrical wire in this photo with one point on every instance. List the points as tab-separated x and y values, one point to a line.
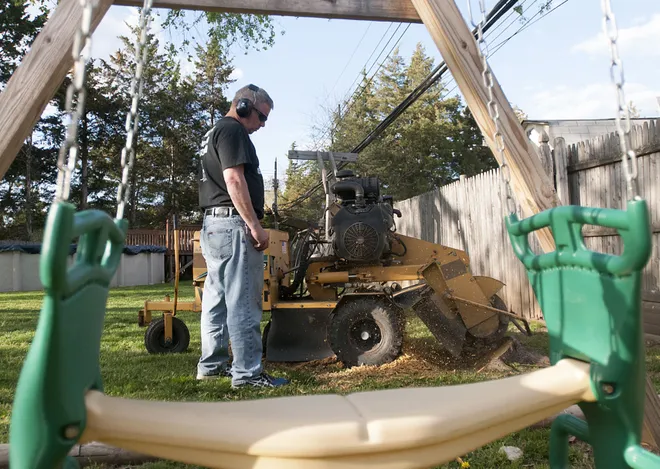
432	78
498	10
353	99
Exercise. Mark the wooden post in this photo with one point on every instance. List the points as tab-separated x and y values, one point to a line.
37	78
545	154
533	188
561	170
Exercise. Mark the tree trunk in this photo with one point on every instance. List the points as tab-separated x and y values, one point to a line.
28	189
84	161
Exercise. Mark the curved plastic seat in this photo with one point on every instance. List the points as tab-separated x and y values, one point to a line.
414	427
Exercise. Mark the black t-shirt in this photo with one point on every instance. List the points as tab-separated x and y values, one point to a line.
228	144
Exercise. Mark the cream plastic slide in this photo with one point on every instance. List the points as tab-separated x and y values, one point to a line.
389	429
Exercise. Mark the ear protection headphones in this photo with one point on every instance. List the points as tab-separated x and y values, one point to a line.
244	106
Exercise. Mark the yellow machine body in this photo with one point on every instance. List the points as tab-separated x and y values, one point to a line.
453	303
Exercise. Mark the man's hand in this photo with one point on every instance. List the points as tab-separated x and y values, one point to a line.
260	237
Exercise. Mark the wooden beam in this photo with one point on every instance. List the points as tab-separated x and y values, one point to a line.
325	155
531	186
37	78
373	10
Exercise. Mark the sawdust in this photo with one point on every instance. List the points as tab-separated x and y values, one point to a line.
421	359
520	354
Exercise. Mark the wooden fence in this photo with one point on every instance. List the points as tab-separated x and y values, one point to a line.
469	214
164	238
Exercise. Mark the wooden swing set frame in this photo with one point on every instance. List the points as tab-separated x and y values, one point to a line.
543	393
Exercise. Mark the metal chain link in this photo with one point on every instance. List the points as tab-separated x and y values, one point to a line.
493	109
128	152
81	52
629	158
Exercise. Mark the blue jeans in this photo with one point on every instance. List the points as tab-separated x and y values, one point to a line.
232	299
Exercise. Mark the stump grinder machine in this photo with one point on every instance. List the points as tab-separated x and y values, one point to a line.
335	290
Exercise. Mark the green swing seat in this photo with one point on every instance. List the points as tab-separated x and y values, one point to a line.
62	364
591	302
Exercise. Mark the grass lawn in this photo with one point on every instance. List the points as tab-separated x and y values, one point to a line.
129	371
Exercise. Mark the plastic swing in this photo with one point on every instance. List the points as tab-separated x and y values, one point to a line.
60	401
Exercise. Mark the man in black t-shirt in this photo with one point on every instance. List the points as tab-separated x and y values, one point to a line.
231	194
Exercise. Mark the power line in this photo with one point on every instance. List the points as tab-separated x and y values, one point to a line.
500	9
504	5
351	57
356	95
528	24
346	96
370	56
502	43
521	13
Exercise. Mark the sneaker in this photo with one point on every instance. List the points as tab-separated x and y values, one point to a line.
264	380
224	373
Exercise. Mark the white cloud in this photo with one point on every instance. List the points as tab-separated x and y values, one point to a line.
236	74
117	22
105	40
642	39
594	101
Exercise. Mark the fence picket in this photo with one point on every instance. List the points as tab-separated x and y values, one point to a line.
472	210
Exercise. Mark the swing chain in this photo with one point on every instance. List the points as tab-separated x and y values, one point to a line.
493	110
81	52
128	152
629	158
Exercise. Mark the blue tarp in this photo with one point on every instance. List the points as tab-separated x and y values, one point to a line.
35	248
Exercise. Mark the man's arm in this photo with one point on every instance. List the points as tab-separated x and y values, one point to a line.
240	196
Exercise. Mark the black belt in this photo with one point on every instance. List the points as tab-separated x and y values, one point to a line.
221	211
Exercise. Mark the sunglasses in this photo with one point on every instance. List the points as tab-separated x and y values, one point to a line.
262	117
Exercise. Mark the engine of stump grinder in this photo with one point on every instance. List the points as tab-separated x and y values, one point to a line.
334	288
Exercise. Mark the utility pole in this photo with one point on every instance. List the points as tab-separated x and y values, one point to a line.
275	188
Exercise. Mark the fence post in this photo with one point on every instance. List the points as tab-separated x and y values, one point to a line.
561	170
546	155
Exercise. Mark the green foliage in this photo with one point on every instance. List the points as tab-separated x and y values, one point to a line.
544	7
297	200
248	31
429	145
174	113
211	79
17	31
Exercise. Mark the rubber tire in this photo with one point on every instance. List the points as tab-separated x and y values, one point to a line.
387	317
264	339
496	302
155	335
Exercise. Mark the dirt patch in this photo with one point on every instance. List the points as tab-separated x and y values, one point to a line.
423	358
519	354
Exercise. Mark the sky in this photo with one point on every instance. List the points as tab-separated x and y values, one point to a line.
556	68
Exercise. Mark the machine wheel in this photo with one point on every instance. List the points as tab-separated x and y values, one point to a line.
366	331
154	337
498	303
264	339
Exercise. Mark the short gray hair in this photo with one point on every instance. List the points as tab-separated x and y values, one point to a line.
257	97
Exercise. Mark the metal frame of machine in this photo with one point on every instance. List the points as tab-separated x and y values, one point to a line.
335	291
